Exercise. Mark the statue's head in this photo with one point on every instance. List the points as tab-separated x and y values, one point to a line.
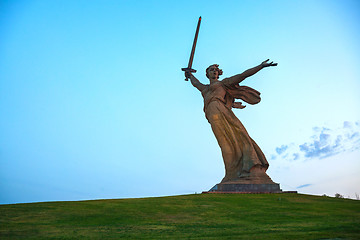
213	72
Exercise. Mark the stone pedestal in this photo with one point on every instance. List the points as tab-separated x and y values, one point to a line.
233	187
257	181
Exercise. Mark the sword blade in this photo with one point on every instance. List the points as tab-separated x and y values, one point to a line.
194	44
189	69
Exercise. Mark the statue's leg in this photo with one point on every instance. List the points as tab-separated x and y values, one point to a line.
227	142
260	155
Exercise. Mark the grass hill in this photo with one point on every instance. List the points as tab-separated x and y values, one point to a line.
199	216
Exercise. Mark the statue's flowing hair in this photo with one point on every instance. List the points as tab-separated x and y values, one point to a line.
217	68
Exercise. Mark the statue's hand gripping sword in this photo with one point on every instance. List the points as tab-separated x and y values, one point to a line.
189	69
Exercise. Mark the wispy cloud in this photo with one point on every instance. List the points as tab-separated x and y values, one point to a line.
281	149
305	185
324	142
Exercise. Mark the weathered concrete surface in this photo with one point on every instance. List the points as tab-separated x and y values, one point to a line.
246	188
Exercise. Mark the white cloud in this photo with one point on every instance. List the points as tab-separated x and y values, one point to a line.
324	143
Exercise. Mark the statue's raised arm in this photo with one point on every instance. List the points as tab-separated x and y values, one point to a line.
194	81
240	77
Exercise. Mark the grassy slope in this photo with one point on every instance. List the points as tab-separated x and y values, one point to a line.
205	216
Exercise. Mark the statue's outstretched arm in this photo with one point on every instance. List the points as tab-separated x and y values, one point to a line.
240	77
194	81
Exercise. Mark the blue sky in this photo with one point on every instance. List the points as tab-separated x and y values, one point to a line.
93	103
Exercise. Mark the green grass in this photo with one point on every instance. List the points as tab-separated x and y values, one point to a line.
200	216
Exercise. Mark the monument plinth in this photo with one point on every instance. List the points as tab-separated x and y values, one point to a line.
233	187
256	182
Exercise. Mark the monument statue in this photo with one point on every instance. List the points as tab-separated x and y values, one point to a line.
242	157
245	163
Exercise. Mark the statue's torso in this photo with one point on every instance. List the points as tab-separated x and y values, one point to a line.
216	92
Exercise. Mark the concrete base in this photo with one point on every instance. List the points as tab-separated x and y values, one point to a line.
232	187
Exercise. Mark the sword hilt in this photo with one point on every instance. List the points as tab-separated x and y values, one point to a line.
188	70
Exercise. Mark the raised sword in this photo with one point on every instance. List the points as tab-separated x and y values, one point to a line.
188	68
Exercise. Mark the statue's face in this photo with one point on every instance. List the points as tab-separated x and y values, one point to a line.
213	72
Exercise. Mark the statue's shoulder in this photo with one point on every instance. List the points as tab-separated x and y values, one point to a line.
206	87
226	81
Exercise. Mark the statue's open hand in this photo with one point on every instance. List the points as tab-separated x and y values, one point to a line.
266	64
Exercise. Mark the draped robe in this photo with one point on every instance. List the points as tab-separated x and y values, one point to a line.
240	152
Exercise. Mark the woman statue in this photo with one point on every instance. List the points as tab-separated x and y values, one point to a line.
244	161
